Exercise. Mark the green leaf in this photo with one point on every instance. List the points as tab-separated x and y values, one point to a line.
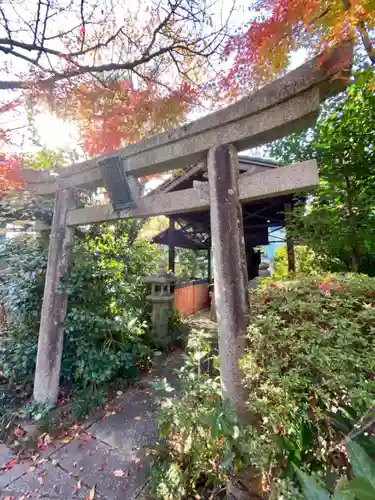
227	459
236	432
310	488
362	489
342	492
362	464
344	495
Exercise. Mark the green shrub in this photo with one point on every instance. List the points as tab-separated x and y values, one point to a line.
309	367
306	261
105	322
203	440
359	487
311	356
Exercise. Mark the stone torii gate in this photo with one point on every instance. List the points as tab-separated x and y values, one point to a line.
287	105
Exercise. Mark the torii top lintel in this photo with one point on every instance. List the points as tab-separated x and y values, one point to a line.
284	106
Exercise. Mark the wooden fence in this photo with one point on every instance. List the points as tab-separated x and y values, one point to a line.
191	297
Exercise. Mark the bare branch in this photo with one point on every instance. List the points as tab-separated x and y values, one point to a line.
83	29
37	22
44	31
6	24
178	39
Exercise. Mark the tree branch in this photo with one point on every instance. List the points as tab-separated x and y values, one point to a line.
366	41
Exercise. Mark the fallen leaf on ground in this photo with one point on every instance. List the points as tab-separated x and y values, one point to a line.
65	439
85	437
109	413
19	432
44	441
118	473
9	465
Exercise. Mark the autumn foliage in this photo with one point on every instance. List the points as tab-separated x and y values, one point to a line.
117	114
10	174
120	71
278	27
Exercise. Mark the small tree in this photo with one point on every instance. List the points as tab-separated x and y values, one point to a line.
338	224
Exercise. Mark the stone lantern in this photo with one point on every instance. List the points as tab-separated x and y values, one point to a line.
161	298
263	272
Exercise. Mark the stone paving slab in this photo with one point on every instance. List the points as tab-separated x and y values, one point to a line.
5	455
56	483
132	427
7	477
112	453
114	474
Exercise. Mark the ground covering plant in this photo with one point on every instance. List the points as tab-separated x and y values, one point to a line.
106	323
309	369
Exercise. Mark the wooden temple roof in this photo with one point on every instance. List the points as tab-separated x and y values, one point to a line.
193	228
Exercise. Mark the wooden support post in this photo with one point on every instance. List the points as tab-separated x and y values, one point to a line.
230	272
51	333
209	278
171	248
289	239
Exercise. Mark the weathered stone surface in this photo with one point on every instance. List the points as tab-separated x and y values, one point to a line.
51	334
5	455
284	106
115	442
131	428
10	475
230	272
115	475
161	300
47	481
266	184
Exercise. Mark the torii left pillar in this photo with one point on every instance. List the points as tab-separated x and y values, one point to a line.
51	332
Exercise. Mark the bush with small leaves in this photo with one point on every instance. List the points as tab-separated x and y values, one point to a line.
310	359
105	323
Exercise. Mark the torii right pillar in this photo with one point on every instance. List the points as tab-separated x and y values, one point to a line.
231	295
230	271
